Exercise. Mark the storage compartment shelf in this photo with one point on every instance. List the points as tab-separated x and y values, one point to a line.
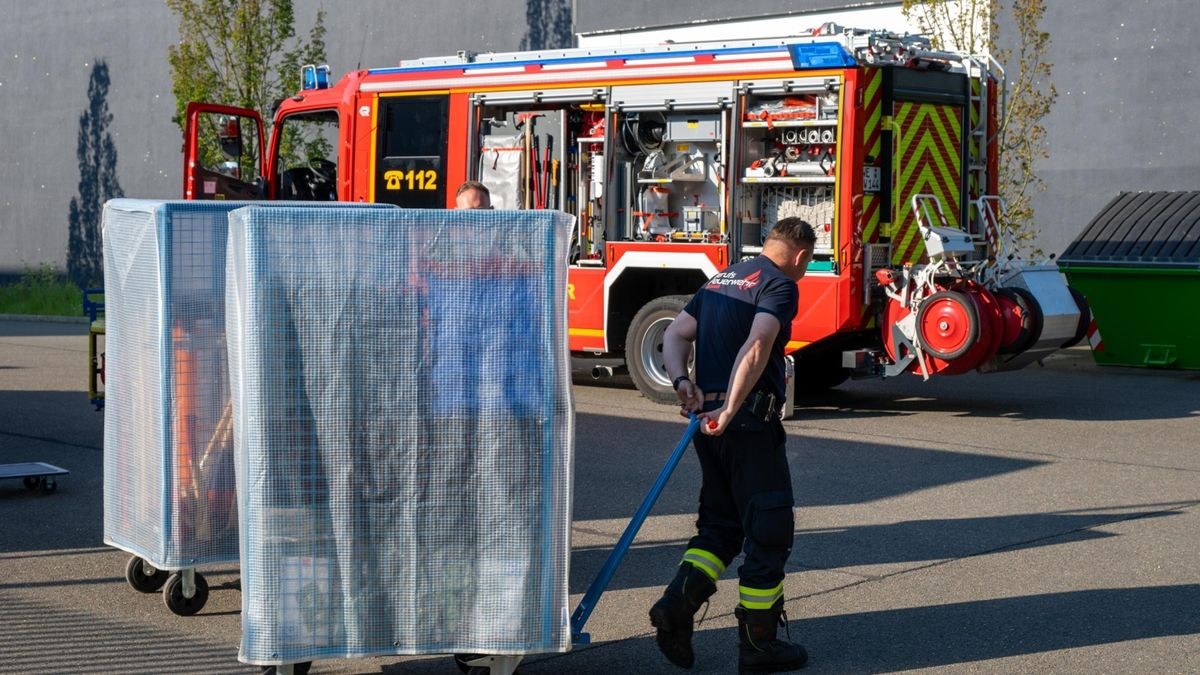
754	124
812	180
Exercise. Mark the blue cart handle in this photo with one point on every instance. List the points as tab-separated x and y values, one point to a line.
588	603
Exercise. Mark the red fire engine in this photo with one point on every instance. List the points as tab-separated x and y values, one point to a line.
675	160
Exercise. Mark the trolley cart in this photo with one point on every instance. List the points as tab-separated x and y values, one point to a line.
35	475
395	497
170	494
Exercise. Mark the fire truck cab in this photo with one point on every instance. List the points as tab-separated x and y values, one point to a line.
676	160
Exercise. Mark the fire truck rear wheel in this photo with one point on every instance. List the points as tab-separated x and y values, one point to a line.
818	372
643	348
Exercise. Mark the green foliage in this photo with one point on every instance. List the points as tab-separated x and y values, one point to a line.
972	26
241	53
41	291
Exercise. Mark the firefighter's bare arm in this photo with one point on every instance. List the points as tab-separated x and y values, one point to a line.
747	368
677	345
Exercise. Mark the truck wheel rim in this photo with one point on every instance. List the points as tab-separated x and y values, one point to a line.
651	356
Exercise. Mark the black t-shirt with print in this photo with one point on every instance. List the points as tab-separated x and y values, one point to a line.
724	309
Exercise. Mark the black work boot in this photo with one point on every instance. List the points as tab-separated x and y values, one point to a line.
759	651
672	614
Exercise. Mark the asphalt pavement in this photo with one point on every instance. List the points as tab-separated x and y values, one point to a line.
1042	521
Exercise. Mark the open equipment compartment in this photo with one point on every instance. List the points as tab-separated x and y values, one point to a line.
787	166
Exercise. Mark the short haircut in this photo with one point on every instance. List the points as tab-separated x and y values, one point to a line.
794	231
473	185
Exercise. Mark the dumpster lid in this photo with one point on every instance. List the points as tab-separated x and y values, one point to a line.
1142	229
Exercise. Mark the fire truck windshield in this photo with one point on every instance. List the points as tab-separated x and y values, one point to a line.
307	163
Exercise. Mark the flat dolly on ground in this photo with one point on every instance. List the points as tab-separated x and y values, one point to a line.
35	475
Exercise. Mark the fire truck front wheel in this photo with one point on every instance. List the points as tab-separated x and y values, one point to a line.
643	348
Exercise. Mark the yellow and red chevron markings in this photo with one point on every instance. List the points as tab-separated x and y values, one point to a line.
928	161
871	135
974	190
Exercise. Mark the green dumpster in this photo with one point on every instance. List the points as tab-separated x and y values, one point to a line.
1138	264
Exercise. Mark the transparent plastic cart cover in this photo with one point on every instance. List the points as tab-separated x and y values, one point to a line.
168	466
403	431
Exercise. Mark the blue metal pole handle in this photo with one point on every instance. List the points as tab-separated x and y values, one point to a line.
588	603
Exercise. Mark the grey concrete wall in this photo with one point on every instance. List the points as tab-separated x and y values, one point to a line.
53	53
86	104
1126	82
609	14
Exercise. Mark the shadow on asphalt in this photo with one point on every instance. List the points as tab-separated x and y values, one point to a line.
50	637
1034	394
905	542
1050	393
10	328
611	479
925	637
58	417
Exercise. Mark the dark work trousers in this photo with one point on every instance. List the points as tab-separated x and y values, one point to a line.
746	498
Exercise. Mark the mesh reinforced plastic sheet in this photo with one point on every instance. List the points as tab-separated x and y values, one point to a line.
168	467
403	431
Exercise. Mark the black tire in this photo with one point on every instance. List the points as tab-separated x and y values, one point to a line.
818	372
135	575
1085	318
32	482
969	313
173	595
1032	319
643	347
301	668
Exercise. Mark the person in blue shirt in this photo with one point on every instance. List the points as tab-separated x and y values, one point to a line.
740	322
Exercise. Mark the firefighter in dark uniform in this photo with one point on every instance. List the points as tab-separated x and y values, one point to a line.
740	322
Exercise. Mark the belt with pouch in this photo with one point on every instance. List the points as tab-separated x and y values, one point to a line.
760	405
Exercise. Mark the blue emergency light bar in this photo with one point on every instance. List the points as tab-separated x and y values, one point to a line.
314	77
820	55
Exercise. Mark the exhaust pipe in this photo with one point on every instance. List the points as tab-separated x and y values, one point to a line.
600	372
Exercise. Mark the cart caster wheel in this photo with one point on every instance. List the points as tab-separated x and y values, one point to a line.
173	595
49	485
32	482
135	574
297	668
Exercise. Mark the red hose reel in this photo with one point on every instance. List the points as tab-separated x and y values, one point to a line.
963	325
